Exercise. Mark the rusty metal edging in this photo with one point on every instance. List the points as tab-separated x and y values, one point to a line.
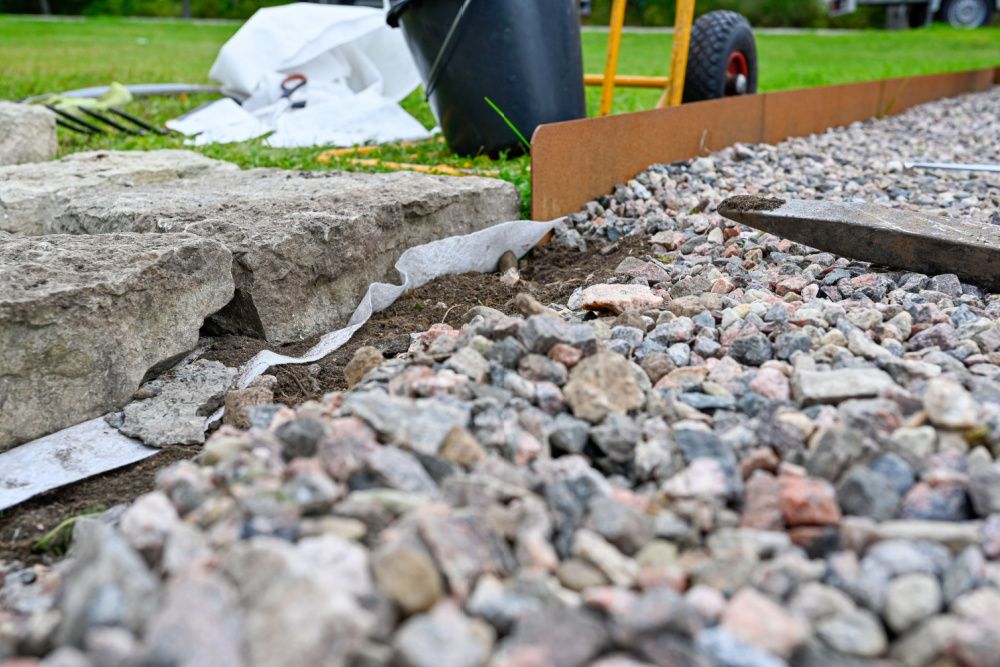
575	161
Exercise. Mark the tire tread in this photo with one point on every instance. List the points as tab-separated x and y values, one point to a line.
709	37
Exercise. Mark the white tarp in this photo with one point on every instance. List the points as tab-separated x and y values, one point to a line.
357	70
93	447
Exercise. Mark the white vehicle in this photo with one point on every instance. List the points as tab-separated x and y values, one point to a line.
959	13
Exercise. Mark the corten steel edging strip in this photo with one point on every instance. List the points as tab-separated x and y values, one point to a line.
901	94
798	113
575	161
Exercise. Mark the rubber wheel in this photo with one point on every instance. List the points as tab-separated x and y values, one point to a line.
722	59
918	15
966	13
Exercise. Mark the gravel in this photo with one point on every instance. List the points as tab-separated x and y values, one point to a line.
738	451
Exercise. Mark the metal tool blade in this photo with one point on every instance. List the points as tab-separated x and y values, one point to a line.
72	126
953	166
108	121
137	121
868	232
79	121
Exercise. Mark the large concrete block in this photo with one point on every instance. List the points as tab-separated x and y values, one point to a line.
84	318
305	245
27	133
33	196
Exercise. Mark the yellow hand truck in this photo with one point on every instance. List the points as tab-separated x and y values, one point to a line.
720	46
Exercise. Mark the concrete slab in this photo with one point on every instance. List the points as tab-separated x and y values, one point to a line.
305	245
84	318
33	195
27	133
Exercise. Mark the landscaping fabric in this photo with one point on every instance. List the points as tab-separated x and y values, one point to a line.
357	71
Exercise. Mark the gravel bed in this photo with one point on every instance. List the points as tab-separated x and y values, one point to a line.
741	452
863	162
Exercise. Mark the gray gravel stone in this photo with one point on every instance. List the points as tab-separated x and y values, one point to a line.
560	637
600	385
541	332
984	489
293	609
857	632
443	637
300	437
751	350
728	651
949	405
911	599
966	573
812	387
108	584
626	527
864	492
407	572
569	434
421	423
195	601
925	642
616	436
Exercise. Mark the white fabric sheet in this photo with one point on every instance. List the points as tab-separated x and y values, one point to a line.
357	69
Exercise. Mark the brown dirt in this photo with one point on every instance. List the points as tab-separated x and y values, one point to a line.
549	274
23	525
744	203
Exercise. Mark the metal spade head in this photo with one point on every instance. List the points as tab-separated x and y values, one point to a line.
891	237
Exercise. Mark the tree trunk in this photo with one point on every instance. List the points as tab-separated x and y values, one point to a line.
186	11
43	7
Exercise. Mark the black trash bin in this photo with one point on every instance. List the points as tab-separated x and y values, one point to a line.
524	55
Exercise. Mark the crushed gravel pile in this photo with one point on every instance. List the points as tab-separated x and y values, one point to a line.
739	452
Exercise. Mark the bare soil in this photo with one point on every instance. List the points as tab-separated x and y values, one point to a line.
547	273
22	526
745	203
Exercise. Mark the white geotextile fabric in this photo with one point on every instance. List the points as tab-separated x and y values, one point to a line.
357	70
94	447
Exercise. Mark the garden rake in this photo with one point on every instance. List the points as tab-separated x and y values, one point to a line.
79	113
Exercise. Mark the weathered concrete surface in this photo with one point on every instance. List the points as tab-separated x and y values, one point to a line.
306	245
33	196
82	320
27	133
172	409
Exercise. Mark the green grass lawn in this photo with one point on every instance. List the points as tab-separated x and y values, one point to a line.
38	56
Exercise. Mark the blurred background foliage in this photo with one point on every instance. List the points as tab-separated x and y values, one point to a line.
763	13
216	9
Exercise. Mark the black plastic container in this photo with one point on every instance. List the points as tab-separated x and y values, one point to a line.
524	55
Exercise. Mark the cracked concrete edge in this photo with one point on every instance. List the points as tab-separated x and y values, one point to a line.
95	447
